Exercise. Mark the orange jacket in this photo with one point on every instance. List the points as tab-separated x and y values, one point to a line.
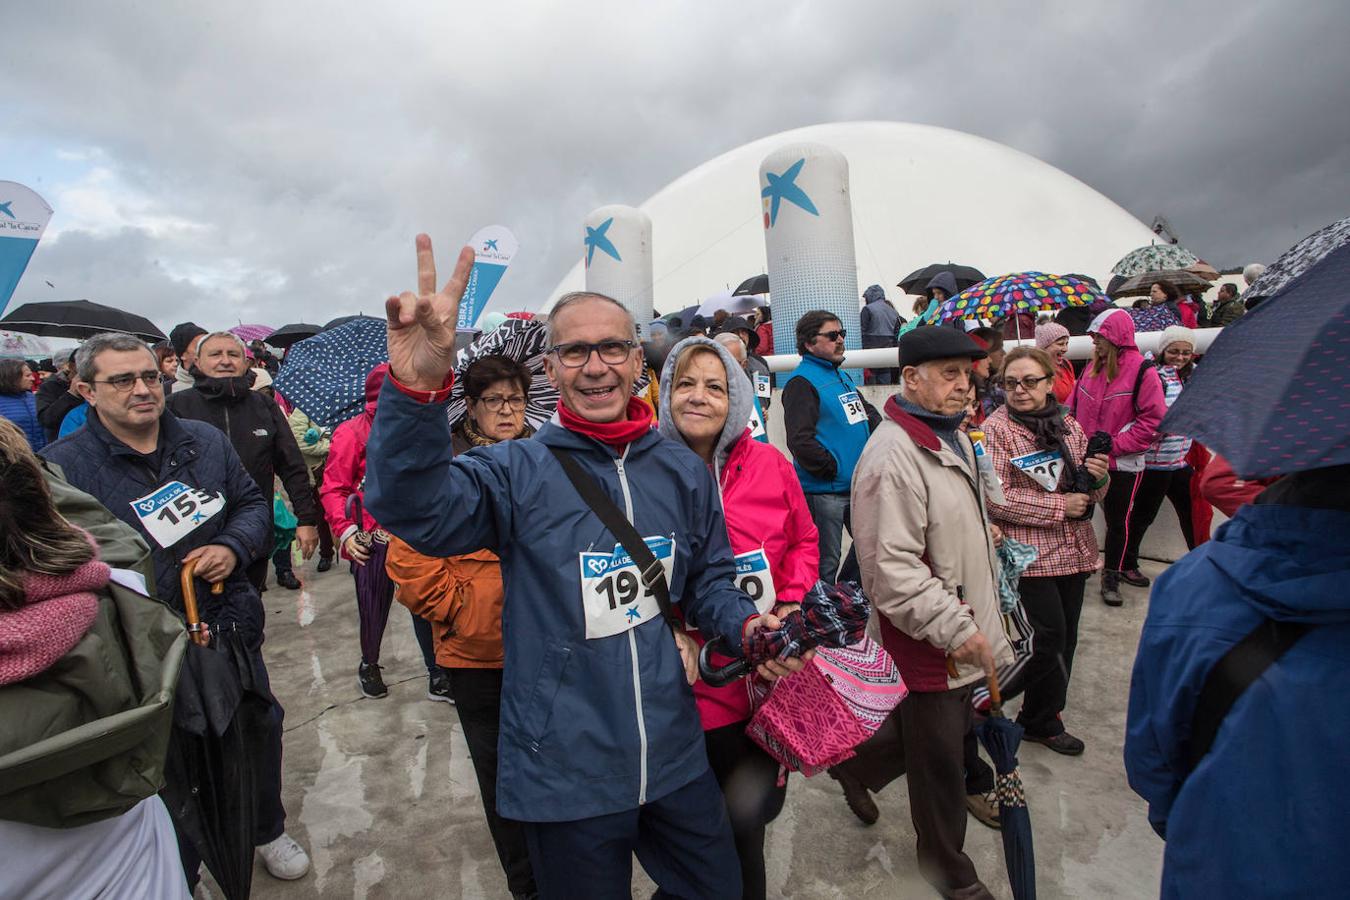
461	596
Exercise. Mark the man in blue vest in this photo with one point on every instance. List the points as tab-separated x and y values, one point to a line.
827	423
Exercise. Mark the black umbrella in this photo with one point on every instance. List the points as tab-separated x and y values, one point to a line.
759	284
1001	737
78	319
1272	396
916	281
293	333
220	714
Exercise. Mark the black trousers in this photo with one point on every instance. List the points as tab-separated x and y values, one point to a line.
1132	503
1053	605
748	778
934	728
478	701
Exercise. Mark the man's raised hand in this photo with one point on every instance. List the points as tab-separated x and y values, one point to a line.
422	325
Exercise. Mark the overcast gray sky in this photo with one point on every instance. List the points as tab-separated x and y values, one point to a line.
272	162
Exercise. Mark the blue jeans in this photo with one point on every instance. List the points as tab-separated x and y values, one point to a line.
832	514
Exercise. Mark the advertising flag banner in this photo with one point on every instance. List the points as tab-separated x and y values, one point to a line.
23	219
493	247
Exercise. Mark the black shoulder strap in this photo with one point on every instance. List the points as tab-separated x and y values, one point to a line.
653	576
1235	671
1139	380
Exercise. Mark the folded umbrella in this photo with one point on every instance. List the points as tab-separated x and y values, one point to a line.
830	616
1271	396
325	376
1001	738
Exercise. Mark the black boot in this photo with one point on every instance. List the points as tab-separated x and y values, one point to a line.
1111	588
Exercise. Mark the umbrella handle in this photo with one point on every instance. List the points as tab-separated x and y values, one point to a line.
995	695
198	630
719	677
356	511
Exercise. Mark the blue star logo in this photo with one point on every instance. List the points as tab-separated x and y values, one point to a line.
784	187
5	208
490	245
632	613
198	517
595	238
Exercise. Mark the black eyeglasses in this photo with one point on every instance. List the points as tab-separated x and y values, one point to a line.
1028	384
127	380
494	403
838	335
577	354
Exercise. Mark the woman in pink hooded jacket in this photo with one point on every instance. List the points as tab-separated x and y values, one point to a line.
706	403
1120	393
365	544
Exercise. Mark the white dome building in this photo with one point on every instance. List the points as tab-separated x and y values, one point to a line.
920	194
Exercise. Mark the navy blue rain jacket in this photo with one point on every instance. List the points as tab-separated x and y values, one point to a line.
200	456
1263	815
588	727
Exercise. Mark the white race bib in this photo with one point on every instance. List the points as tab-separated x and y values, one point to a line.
854	411
612	593
754	577
174	511
762	388
1044	466
756	423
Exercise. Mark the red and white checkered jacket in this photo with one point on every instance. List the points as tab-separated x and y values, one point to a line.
1032	514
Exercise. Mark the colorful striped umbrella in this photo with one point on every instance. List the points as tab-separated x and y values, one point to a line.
1019	292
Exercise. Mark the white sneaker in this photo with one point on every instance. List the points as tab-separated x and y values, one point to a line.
284	858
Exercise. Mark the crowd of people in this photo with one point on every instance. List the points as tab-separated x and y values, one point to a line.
563	581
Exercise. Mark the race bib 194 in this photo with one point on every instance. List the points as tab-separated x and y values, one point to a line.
612	593
172	512
854	411
1043	466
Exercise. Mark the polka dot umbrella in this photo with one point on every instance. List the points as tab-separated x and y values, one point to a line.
326	375
1020	292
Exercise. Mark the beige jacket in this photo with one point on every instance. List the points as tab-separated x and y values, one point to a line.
928	563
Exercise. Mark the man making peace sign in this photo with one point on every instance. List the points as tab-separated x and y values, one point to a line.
601	753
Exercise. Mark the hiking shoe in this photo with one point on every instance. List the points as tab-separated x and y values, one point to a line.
288	580
372	685
1111	589
1063	742
284	858
438	686
325	563
984	807
1135	577
857	797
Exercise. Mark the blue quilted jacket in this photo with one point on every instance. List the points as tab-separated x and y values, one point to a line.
21	409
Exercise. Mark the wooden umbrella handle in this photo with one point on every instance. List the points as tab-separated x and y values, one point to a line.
198	630
995	696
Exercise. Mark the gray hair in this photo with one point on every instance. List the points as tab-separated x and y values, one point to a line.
733	344
201	342
109	340
63	356
575	297
1252	272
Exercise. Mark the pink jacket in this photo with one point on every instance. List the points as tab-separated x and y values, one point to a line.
764	507
1099	405
344	473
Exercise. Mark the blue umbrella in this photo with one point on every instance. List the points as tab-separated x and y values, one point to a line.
1001	738
1272	395
325	376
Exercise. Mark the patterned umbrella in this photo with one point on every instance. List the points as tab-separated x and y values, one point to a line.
250	333
16	344
1020	292
1154	257
1298	259
1271	397
326	375
1139	285
1204	270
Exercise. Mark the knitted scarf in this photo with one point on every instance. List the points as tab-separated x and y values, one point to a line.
59	611
475	438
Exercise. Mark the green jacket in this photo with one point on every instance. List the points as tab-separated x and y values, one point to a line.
85	740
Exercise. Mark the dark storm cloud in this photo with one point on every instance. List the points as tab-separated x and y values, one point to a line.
282	156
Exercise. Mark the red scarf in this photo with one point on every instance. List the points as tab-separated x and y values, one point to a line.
637	421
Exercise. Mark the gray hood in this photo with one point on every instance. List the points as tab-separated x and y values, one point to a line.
740	396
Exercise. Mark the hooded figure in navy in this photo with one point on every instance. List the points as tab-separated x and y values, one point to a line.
1263	812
